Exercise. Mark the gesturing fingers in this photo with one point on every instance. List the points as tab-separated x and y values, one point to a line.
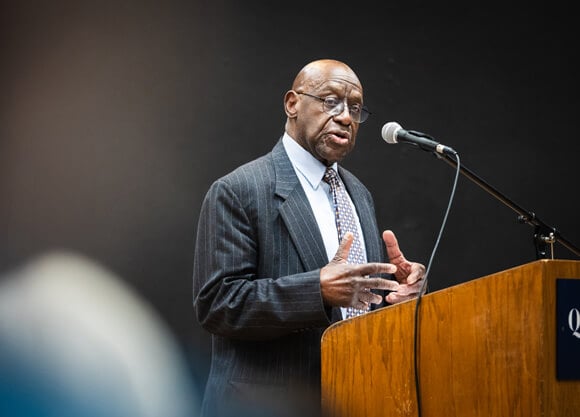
373	268
381	284
362	299
361	294
345	284
395	297
406	292
416	274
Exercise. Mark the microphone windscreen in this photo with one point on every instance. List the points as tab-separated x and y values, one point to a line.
389	132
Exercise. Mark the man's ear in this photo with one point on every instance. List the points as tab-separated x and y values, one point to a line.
291	104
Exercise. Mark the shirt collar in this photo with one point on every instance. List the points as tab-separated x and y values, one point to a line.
310	167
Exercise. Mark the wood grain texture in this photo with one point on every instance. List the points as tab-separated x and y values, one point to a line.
487	347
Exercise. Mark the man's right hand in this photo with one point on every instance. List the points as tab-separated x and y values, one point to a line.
349	285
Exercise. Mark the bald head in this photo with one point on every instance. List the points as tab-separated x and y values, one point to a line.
314	74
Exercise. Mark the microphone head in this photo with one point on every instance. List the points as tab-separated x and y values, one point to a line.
389	132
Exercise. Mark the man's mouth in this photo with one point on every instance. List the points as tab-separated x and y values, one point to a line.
339	137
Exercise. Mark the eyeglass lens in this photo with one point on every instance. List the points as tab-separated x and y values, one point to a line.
334	107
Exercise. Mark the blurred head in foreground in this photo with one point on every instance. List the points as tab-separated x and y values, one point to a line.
76	341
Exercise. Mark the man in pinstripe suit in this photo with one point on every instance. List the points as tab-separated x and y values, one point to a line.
270	274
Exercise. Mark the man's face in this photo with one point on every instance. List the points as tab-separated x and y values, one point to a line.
328	138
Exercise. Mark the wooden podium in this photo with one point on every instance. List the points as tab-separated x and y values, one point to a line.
487	347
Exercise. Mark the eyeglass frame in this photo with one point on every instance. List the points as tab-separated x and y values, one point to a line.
363	109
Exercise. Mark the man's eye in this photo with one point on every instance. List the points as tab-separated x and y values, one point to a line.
332	102
355	108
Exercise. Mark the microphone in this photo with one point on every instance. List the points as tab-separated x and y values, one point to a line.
392	133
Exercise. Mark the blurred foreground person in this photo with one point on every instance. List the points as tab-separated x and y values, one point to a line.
75	341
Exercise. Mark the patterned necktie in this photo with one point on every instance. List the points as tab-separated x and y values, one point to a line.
345	222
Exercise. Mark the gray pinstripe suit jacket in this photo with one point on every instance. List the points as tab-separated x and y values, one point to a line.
256	282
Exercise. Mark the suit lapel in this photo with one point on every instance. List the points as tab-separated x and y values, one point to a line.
296	212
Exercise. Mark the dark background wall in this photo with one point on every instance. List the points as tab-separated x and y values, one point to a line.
115	119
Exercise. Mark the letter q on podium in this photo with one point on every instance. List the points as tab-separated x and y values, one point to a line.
568	329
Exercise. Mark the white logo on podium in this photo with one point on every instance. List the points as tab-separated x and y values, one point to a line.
574	322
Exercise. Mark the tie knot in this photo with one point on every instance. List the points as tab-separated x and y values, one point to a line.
331	177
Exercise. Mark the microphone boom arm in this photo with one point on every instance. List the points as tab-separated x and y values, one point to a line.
543	233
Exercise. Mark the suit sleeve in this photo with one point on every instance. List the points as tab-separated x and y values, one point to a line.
230	299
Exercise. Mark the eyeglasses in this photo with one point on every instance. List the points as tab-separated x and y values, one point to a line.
334	106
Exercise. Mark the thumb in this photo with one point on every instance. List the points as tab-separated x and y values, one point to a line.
395	255
344	248
393	250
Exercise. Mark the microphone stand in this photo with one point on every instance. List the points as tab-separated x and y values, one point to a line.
544	234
